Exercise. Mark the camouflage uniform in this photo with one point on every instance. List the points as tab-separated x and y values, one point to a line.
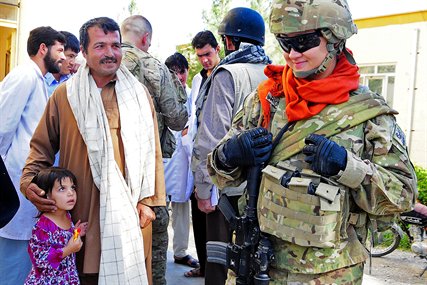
168	95
169	99
388	187
313	242
160	243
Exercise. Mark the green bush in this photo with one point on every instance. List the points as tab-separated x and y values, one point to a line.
422	197
405	244
422	184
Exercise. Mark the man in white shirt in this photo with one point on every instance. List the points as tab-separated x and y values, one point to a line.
178	175
23	97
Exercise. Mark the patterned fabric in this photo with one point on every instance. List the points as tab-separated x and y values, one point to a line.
348	275
122	253
45	249
379	178
160	245
306	98
248	53
168	95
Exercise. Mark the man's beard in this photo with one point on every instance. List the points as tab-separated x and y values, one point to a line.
52	66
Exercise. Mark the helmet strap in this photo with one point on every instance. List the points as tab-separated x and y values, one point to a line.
333	50
349	56
236	42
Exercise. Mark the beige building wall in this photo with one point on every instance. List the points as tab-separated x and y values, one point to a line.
62	16
406	47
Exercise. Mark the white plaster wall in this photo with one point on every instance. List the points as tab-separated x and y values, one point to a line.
396	44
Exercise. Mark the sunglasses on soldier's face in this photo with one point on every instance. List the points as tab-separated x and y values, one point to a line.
300	43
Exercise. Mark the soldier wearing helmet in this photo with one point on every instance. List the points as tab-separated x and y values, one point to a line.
338	162
220	97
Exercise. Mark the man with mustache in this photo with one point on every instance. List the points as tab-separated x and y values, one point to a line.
102	121
23	96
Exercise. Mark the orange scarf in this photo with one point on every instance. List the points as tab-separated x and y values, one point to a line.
306	98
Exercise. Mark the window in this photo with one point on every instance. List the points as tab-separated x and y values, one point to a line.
380	79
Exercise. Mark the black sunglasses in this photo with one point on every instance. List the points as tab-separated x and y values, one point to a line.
300	43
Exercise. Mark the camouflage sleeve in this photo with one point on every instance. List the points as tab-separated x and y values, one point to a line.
133	64
384	182
171	101
246	118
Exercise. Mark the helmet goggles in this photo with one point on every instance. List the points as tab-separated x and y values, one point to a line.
300	43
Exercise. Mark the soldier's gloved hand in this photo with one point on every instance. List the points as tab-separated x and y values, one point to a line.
326	157
249	148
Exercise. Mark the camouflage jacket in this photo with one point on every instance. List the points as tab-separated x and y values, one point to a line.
168	95
379	178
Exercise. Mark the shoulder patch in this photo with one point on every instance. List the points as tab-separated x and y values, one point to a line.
399	135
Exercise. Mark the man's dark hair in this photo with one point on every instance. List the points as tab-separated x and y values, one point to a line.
72	42
41	35
177	63
203	38
105	23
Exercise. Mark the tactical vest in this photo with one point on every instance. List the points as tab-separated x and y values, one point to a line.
309	210
305	211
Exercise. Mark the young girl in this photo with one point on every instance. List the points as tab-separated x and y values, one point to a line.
55	238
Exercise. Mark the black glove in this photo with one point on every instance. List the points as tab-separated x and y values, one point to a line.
249	148
326	157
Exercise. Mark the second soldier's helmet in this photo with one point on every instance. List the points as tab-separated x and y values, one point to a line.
292	16
244	23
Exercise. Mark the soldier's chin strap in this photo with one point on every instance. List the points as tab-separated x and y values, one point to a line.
333	50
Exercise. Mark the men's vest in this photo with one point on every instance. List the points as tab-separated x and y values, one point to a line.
246	78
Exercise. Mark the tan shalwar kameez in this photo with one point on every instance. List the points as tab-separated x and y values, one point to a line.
58	131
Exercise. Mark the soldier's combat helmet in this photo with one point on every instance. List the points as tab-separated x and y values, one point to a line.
331	17
243	23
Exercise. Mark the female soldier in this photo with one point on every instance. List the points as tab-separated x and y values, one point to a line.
338	158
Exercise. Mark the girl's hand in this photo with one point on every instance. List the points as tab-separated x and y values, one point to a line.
72	246
82	227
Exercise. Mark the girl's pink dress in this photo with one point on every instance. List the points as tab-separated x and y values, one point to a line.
45	250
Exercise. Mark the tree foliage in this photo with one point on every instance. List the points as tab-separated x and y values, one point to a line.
133	7
271	46
422	184
213	17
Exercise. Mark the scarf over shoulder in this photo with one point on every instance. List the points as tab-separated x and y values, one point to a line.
122	252
306	98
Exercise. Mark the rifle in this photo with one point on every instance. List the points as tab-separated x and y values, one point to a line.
250	255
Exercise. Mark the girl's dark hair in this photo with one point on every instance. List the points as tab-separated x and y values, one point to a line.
47	177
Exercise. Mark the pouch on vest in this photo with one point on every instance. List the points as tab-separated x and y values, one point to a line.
292	214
